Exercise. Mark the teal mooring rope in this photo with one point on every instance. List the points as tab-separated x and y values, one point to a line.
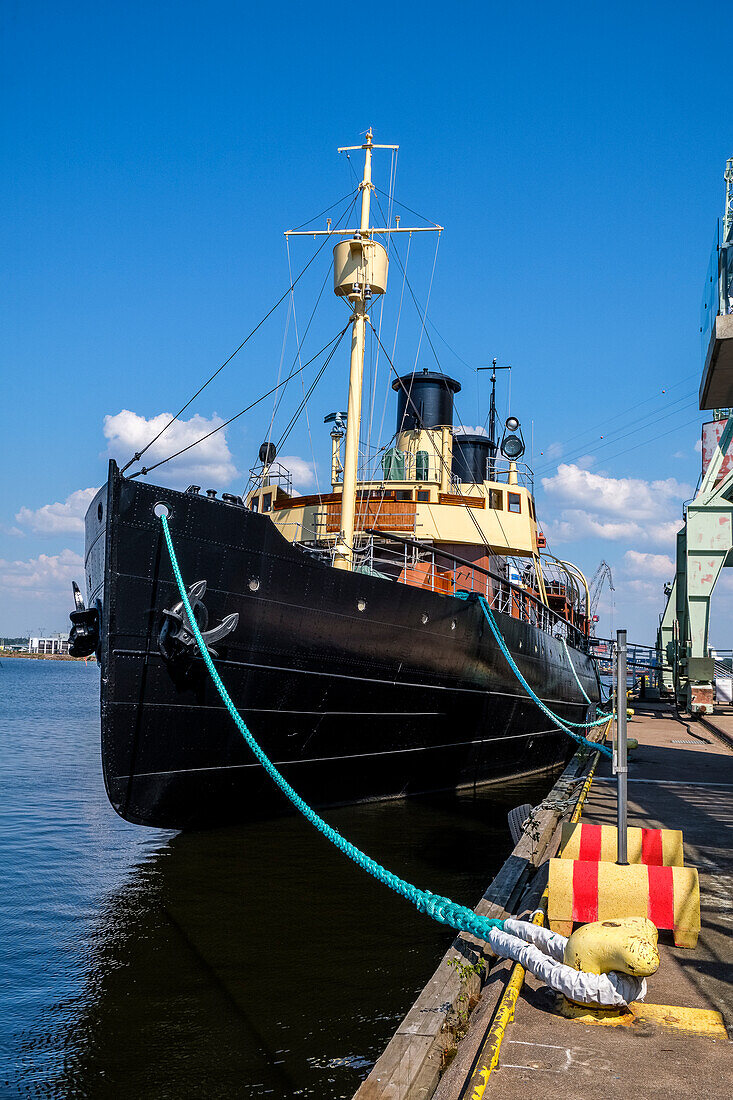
439	908
561	723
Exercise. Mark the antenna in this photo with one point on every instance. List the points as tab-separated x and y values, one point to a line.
492	414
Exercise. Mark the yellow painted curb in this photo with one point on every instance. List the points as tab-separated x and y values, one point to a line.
488	1058
489	1055
698	1021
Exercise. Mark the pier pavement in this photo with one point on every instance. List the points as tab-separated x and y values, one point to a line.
680	777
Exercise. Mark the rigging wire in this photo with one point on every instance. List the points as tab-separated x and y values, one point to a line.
653	438
268	434
422	315
282	386
280	396
138	454
405	207
316	380
343	198
373	387
396	331
444	465
148	469
299	344
427	303
642	422
417	306
632	408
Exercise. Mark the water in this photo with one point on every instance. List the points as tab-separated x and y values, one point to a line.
253	961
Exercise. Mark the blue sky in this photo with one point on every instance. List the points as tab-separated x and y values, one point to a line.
152	156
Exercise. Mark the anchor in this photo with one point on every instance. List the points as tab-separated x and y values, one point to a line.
176	638
84	633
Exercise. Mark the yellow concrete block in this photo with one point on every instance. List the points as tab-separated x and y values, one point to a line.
599	842
698	1021
580	892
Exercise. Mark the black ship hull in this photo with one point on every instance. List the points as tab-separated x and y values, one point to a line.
356	686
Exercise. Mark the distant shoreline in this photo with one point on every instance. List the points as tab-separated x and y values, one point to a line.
46	657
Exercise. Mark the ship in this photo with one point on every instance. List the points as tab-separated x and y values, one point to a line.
349	627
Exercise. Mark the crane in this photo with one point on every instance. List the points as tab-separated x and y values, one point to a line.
602	574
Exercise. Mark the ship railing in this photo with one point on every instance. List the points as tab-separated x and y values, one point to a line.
391	464
506	472
639	658
410	562
406	561
272	474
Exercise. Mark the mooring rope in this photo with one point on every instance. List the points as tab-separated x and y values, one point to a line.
561	723
575	674
439	908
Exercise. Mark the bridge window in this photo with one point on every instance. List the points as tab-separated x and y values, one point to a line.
496	499
403	494
267	502
423	495
514	502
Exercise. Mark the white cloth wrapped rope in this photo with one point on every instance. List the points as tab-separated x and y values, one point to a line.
541	951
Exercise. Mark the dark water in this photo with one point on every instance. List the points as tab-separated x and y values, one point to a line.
245	962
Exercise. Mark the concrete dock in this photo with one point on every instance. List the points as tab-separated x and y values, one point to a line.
680	777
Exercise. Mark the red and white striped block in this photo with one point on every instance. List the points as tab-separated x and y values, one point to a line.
654	847
582	891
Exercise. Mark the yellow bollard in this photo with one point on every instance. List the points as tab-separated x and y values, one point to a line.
583	891
627	945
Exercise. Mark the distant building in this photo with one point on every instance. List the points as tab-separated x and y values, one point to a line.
57	644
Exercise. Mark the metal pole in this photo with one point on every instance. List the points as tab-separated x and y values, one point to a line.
621	761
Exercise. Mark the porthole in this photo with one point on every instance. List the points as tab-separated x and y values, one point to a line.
159	509
361	605
100	511
254	584
424	617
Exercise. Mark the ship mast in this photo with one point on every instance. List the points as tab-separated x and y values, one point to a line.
360	266
344	549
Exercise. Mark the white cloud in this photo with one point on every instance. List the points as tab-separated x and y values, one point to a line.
600	506
302	472
586	461
478	430
553	451
208	464
61	518
576	523
698	446
649	565
616	496
44	576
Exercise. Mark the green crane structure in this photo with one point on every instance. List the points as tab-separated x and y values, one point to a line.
704	546
705	541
